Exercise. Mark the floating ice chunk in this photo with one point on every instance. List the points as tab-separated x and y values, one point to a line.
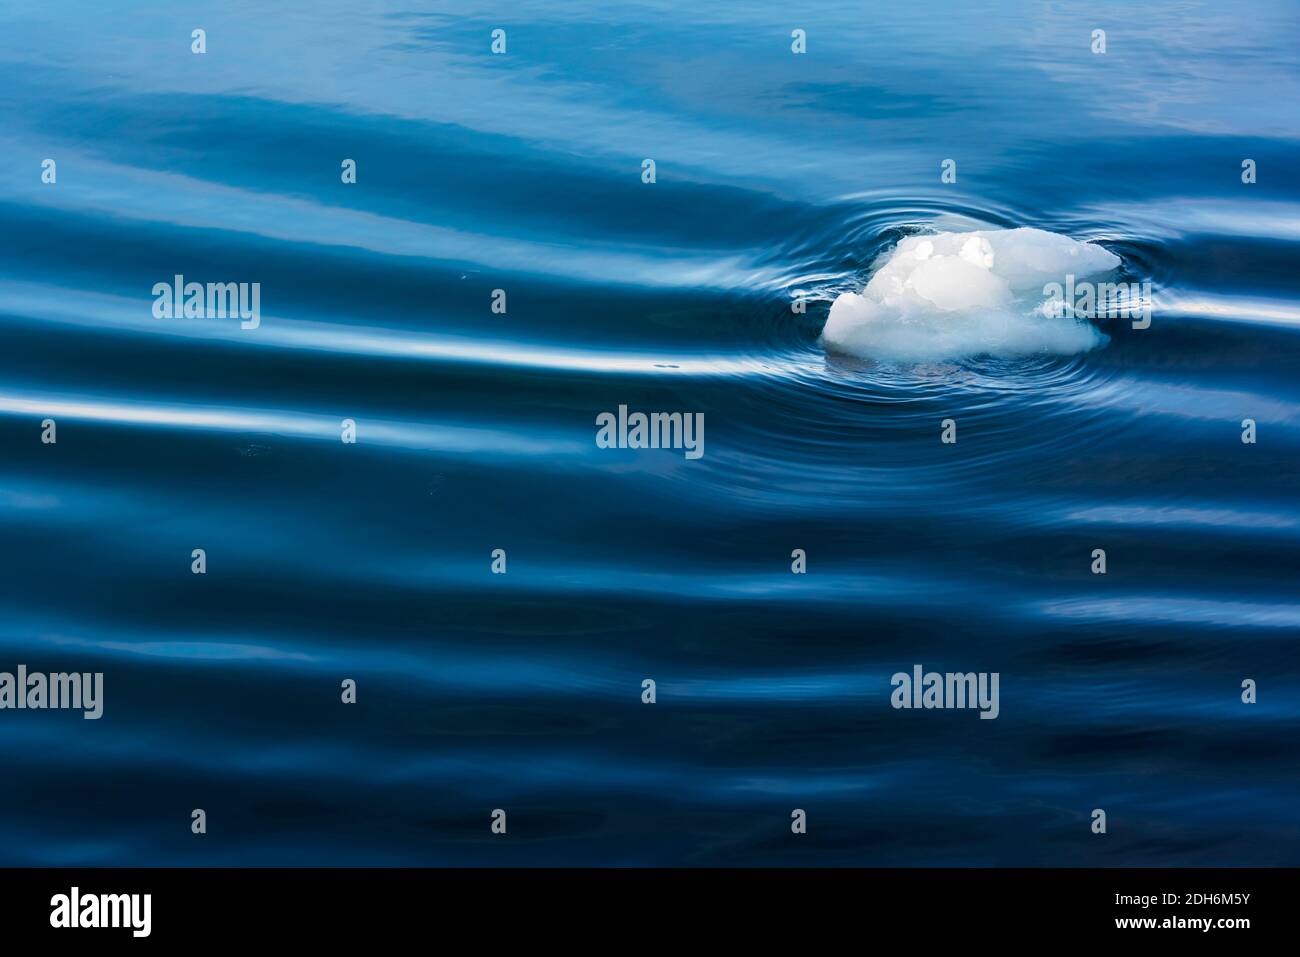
948	295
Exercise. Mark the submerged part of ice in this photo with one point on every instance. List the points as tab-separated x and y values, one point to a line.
946	295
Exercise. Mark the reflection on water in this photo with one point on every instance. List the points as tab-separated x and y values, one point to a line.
781	179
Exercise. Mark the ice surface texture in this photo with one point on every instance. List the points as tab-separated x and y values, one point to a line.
948	295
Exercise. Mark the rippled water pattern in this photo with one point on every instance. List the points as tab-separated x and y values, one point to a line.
779	177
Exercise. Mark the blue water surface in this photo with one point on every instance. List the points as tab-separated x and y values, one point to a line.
779	177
